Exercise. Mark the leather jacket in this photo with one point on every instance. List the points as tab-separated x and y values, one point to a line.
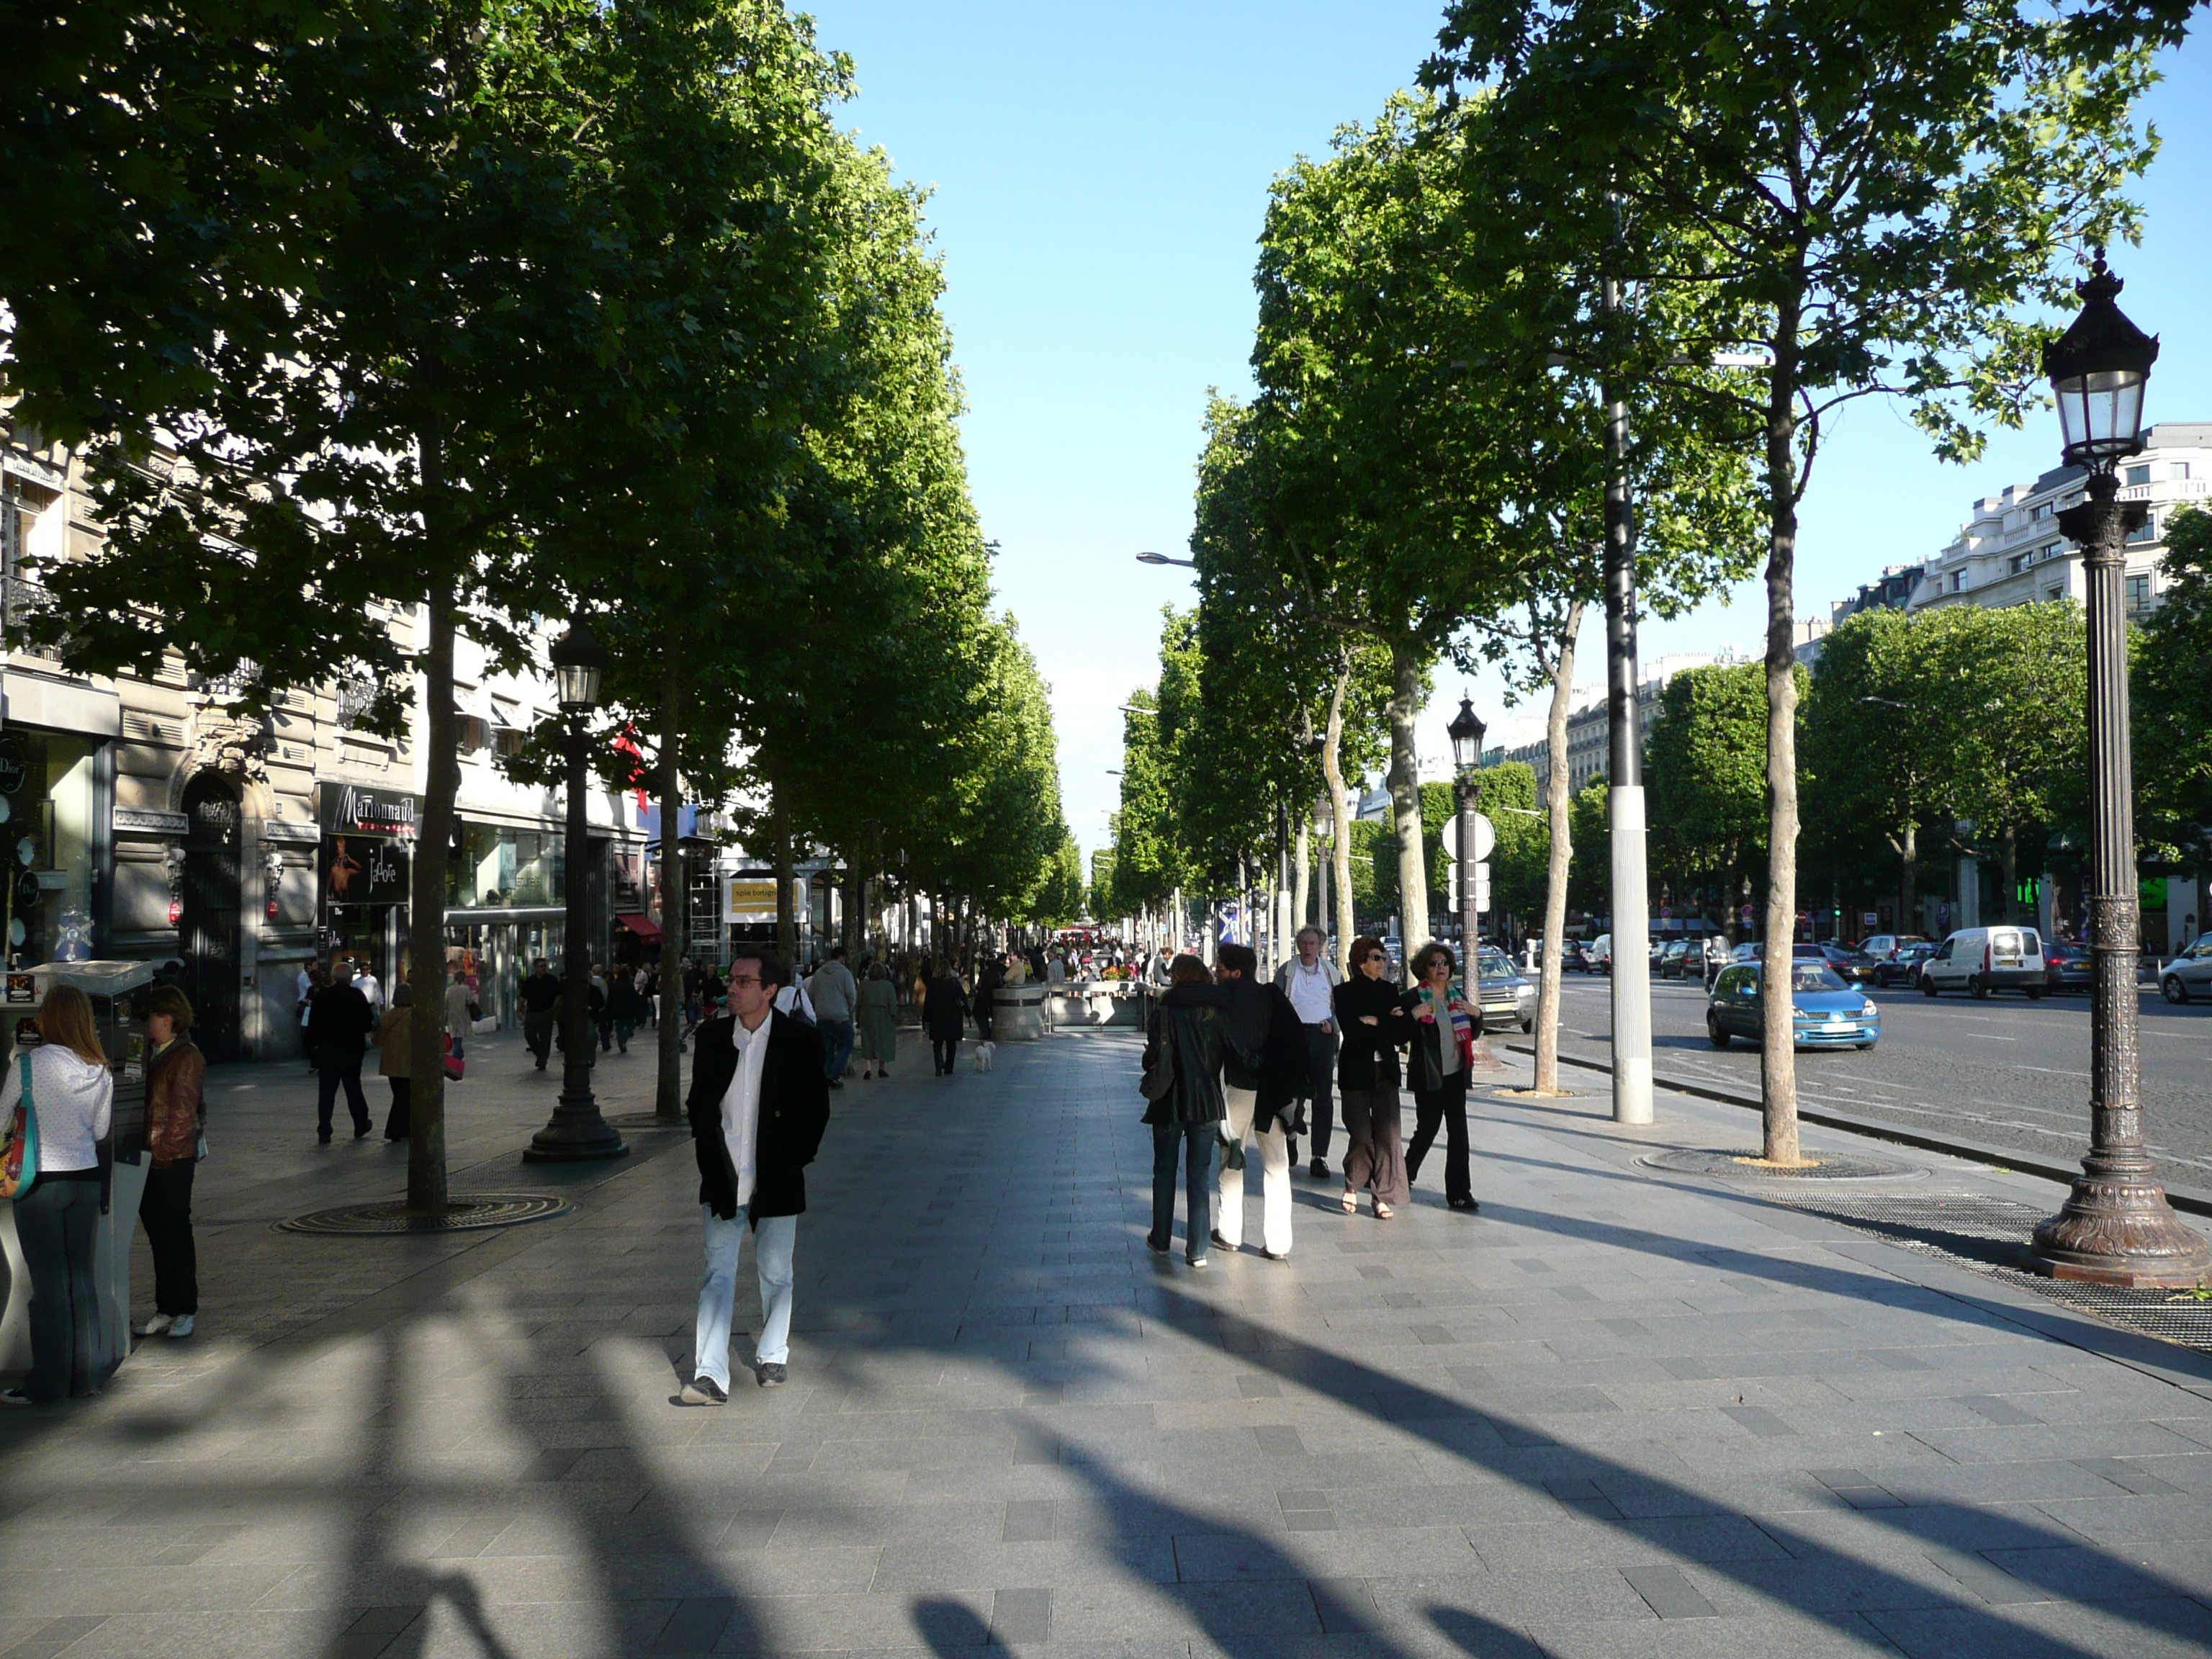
1188	1024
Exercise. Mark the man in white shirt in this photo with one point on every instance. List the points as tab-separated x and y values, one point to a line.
759	1104
1309	979
367	983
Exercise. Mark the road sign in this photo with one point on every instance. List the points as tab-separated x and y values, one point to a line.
1482	888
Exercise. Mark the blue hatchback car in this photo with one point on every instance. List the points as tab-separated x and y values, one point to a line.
1830	1014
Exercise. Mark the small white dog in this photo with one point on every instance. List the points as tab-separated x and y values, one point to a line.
985	1053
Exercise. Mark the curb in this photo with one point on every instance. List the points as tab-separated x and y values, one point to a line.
2193	1199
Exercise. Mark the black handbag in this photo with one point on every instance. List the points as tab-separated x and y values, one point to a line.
1159	1079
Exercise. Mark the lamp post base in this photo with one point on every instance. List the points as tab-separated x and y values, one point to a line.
2117	1229
577	1134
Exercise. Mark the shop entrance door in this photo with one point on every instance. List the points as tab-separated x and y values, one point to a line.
211	928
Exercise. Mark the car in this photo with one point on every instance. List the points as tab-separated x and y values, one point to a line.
1829	1014
1600	954
1755	949
1573	958
1903	968
2190	973
1507	996
1852	967
1672	956
1980	960
1887	947
2066	967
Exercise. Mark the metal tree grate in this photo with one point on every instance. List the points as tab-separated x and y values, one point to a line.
464	1214
1990	1238
1746	1166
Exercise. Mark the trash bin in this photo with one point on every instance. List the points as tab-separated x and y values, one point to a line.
118	992
1020	1013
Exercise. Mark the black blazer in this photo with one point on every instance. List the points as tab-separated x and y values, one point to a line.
794	1111
1369	1056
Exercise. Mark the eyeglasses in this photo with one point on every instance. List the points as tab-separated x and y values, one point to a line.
745	979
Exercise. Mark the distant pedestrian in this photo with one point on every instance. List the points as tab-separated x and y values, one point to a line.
877	1015
73	1101
627	1008
309	981
540	995
176	1117
461	1012
1367	1078
603	1007
338	1028
1185	1043
834	994
1445	1026
371	987
945	1012
395	1039
758	1106
986	1011
1309	979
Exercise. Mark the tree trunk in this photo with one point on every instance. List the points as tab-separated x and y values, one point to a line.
1301	879
2009	856
1908	892
1777	1050
1332	771
787	909
1555	874
426	1134
1405	794
668	1087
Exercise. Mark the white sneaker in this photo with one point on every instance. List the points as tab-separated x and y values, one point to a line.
181	1325
157	1326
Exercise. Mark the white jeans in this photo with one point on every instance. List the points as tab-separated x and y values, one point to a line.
773	1243
1276	1183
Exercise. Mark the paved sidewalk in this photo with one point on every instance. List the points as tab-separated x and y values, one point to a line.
1621	1413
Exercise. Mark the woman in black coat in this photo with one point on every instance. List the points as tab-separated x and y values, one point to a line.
1373	1024
1187	1041
944	1013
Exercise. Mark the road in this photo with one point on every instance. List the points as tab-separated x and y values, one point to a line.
2005	1072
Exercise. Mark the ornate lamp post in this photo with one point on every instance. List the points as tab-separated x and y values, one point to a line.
577	1132
2117	1227
1466	731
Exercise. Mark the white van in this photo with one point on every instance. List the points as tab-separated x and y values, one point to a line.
1980	960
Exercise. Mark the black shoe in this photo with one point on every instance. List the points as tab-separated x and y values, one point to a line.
1467	1204
1319	1169
1220	1243
1154	1246
322	1137
703	1391
541	1065
362	1131
771	1376
1276	1255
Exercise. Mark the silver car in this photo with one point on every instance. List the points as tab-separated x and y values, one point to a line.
1508	997
2190	973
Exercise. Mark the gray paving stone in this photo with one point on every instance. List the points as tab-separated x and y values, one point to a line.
1667	1592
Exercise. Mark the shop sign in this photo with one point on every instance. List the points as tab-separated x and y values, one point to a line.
354	809
751	898
364	870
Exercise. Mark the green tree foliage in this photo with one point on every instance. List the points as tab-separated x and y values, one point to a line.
2173	687
1519	863
1706	771
1148	861
1590	879
1872	197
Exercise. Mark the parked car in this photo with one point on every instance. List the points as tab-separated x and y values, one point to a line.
1980	960
1508	998
1600	954
1829	1014
2190	973
1754	950
1573	958
1672	956
2067	967
1887	947
1852	967
1903	968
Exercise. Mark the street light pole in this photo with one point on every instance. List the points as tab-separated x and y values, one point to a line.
2116	1227
577	1132
1466	731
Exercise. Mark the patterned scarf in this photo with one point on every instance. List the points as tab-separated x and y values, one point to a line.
1462	1021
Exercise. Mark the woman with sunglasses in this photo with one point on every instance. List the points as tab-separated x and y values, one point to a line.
1445	1028
1373	1024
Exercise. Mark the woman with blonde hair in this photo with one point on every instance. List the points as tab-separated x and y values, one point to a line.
73	1102
395	1039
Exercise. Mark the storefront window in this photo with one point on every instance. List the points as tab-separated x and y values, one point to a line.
46	825
501	868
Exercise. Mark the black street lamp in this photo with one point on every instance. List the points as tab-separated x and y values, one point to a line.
1466	731
577	1132
2117	1227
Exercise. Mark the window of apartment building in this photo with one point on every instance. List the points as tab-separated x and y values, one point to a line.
2136	474
2039	511
2048	551
2177	470
2145	532
475	733
2018	563
2138	592
1957	581
2054	593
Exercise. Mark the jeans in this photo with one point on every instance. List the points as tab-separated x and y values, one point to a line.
55	1223
1195	1142
538	1032
166	1212
606	1025
773	1243
457	1039
836	1048
624	1029
330	1071
947	1051
1446	1106
1275	1179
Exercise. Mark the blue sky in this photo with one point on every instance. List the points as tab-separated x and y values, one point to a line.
1099	177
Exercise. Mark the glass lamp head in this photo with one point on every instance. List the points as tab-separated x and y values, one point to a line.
580	662
2097	370
1466	731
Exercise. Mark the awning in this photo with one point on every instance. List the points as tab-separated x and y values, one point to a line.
644	927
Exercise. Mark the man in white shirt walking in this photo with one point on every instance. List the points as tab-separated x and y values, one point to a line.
1309	979
758	1106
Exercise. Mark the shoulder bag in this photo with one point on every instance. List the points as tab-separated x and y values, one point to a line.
19	1159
